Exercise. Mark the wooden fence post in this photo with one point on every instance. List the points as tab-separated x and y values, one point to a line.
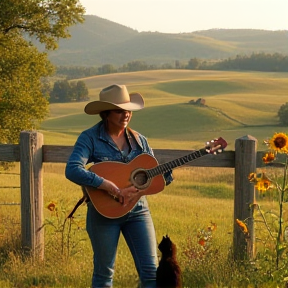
32	231
245	163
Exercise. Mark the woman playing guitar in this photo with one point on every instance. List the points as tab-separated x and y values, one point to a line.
111	144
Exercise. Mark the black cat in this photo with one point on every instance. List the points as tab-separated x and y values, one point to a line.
168	272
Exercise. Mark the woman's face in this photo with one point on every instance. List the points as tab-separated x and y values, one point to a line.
119	118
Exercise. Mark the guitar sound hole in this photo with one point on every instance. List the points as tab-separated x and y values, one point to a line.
140	178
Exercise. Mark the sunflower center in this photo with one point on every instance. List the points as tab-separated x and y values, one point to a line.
280	142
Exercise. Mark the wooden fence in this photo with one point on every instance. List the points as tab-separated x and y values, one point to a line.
32	153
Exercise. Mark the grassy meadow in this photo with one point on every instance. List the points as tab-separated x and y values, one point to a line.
237	104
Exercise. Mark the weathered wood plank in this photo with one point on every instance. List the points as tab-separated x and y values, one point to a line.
56	153
31	178
10	153
225	159
245	163
60	154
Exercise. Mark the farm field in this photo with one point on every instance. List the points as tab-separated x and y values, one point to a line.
236	104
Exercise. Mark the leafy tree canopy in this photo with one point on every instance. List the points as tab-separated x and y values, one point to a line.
47	20
22	67
283	114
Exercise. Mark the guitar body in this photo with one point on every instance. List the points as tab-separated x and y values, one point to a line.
124	175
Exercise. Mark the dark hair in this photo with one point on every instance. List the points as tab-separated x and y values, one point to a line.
104	115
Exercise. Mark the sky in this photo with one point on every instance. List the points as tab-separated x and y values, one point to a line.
181	16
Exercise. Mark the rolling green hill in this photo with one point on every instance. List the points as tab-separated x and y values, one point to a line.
98	41
236	104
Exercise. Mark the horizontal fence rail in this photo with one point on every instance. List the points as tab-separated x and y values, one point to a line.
60	154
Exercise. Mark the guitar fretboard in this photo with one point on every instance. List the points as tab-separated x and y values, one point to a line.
169	166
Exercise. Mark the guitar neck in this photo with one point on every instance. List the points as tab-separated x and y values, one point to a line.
169	166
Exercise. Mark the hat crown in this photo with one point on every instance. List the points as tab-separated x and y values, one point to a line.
116	94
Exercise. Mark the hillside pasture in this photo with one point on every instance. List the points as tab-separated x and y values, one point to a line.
236	104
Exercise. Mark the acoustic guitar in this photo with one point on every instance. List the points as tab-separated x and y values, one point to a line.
144	173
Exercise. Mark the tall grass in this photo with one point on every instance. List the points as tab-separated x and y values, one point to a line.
181	209
197	197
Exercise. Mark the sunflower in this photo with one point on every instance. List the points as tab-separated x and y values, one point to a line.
279	143
261	182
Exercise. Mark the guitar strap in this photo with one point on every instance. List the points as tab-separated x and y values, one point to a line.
136	138
84	198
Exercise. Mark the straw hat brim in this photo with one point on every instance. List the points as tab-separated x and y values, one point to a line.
95	107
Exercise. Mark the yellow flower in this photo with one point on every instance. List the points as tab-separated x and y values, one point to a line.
252	177
242	226
212	227
279	143
262	182
268	157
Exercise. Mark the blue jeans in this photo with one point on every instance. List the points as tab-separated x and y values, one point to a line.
138	230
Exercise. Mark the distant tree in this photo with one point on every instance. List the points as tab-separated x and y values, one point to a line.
177	64
64	91
193	64
22	103
61	92
283	114
166	66
137	66
107	69
81	91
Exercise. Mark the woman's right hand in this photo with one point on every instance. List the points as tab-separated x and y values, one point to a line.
124	196
112	189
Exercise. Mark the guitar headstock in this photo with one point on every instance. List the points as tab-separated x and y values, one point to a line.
216	146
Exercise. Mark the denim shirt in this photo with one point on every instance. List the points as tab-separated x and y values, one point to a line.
94	145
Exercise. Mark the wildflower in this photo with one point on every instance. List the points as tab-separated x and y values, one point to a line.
242	226
262	182
51	206
279	143
252	177
202	242
268	157
212	227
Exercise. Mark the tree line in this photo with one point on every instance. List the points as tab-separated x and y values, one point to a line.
255	62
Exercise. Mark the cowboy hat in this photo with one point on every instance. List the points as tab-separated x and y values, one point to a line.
115	97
